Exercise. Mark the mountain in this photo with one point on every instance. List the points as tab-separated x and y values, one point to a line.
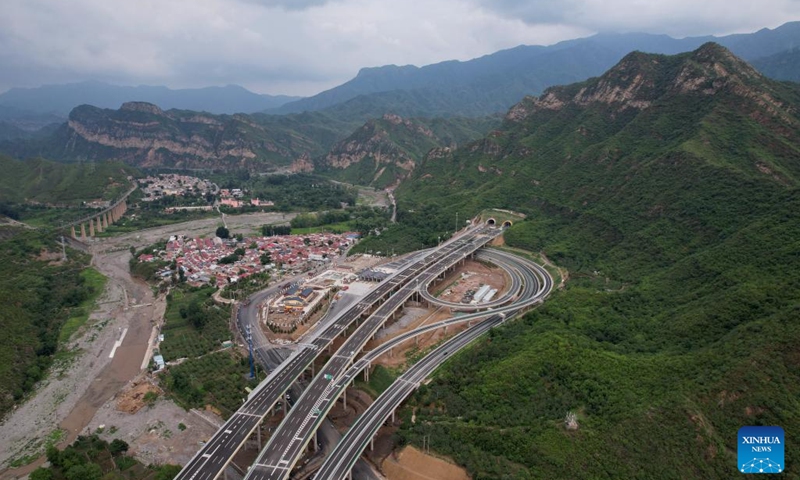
385	151
18	123
61	99
9	131
494	82
781	66
141	134
668	189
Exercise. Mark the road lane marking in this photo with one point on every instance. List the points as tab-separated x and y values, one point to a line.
249	414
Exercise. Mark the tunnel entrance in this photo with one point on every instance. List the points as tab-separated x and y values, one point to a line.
491	221
507	224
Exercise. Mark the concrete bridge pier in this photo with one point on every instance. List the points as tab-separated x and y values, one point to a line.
91	228
83	232
73	233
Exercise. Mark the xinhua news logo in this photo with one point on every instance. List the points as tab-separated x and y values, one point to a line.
761	450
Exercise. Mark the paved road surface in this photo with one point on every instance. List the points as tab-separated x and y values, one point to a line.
297	429
211	460
338	464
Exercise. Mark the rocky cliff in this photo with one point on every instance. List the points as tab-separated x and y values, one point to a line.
142	134
385	151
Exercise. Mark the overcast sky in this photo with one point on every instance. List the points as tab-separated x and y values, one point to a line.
301	47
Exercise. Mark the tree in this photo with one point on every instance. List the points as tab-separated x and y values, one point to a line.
196	314
53	455
223	232
266	258
118	446
167	472
41	474
89	471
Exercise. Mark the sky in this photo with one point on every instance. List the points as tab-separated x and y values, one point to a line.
301	47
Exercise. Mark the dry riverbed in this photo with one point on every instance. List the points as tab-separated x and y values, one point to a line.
85	378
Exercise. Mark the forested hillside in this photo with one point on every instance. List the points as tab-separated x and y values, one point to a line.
39	292
385	151
668	188
43	181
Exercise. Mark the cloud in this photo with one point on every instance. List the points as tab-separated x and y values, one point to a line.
673	17
259	44
304	46
289	4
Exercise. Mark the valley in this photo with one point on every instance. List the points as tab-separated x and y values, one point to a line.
566	261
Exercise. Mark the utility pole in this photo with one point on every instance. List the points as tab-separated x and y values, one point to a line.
456	229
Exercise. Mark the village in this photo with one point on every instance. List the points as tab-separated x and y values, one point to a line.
170	184
227	261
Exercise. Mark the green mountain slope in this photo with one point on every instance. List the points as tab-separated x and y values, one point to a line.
43	181
668	188
385	151
39	293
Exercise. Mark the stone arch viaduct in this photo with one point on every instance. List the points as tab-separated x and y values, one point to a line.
89	226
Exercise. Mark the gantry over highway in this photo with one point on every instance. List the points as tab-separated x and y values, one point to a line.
384	301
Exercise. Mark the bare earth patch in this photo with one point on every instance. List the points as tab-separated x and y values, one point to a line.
411	464
133	399
158	433
470	276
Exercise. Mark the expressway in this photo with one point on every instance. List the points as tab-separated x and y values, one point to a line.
212	459
297	429
339	463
